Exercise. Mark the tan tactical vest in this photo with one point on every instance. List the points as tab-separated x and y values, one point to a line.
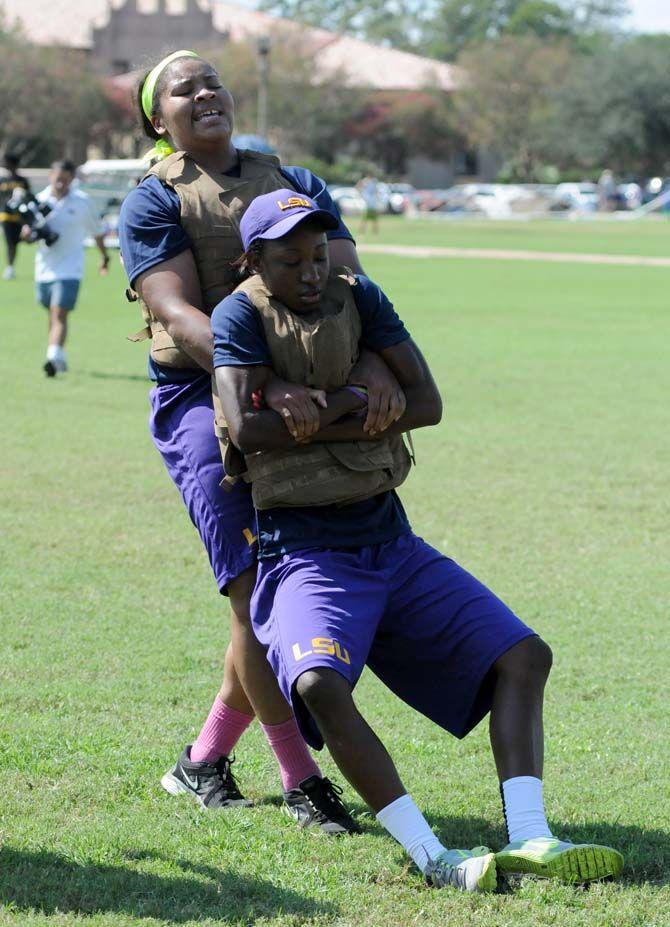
212	205
318	349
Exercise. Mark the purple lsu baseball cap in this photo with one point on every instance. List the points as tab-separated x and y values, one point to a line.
275	214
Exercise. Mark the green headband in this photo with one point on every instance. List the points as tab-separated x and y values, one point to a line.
152	79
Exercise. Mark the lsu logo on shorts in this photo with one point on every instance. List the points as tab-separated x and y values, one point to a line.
323	645
249	537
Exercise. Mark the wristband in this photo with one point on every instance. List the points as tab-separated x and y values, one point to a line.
360	391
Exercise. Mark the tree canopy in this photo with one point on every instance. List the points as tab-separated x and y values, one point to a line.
444	28
541	85
71	106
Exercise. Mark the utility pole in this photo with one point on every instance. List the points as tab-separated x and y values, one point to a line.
263	47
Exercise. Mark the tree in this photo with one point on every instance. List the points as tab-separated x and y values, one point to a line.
396	22
322	117
66	106
613	109
297	99
444	28
598	15
458	25
390	127
508	100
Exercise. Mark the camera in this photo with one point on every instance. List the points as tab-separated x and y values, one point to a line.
34	215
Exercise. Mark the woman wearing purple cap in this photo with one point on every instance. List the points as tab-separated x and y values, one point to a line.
342	579
179	233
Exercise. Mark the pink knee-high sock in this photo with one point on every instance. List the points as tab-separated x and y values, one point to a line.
222	729
295	761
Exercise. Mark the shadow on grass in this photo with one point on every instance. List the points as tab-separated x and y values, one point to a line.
50	883
646	851
101	375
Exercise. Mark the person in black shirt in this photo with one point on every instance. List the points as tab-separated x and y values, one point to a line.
10	181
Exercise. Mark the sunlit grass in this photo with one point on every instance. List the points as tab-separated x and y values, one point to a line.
548	478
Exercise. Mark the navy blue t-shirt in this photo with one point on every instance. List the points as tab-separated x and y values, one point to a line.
239	341
150	232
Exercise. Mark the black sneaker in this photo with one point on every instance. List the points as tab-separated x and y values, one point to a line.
317	803
212	785
49	368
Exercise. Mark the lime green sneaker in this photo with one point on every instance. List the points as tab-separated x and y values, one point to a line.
557	859
466	870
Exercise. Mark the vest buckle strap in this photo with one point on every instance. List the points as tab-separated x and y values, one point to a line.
142	335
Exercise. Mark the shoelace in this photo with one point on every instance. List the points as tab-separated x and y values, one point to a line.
225	774
330	793
441	873
447	874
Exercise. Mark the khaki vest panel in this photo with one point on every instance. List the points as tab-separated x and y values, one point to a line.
212	205
319	349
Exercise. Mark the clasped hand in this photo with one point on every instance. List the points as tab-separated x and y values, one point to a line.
297	405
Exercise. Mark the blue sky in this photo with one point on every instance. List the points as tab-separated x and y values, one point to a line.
650	15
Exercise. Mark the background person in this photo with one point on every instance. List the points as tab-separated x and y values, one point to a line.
179	233
59	267
10	182
371	191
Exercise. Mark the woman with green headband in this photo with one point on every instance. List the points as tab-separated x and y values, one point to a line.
179	233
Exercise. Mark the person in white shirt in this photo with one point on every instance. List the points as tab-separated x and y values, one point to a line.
59	267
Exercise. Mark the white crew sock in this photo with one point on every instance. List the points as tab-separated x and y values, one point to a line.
523	806
54	352
403	820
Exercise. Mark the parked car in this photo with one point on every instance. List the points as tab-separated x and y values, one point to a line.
399	197
631	195
580	197
254	143
348	200
492	200
107	182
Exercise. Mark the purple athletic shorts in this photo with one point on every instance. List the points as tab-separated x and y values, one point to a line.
182	427
428	629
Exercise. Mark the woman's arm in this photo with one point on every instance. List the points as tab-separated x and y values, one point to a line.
342	252
424	405
171	291
254	430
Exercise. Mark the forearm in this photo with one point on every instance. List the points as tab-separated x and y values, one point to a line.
265	430
191	331
423	408
171	291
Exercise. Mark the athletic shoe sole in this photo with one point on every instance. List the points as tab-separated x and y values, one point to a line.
175	786
575	864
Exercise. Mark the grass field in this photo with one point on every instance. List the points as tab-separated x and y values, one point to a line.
618	236
548	478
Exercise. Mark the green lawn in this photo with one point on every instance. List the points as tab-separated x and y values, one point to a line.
548	478
650	237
